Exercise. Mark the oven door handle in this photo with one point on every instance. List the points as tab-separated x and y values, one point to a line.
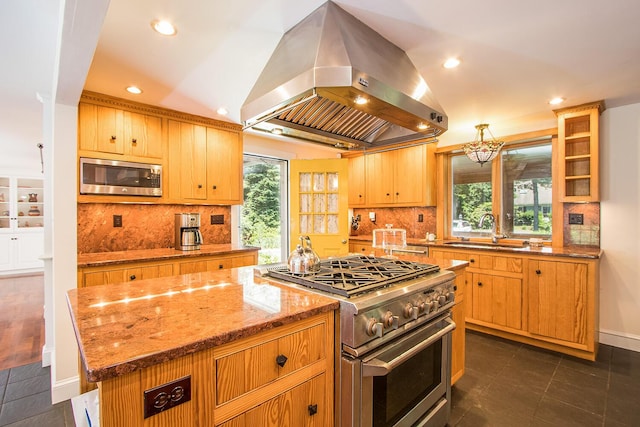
380	368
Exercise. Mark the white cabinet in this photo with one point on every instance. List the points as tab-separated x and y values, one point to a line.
21	224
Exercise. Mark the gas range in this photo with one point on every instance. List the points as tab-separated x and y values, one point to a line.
380	298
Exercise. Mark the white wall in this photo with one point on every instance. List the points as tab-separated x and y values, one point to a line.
620	227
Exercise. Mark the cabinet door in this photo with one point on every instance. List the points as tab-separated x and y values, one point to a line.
188	170
409	175
558	300
458	335
7	245
357	181
30	247
224	166
101	129
379	171
143	135
497	300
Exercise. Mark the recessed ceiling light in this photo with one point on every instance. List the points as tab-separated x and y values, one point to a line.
451	63
222	111
165	28
557	100
277	131
361	100
134	90
423	126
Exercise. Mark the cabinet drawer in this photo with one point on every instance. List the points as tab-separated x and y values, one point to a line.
495	262
249	368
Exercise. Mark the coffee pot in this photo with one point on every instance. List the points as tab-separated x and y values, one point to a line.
303	259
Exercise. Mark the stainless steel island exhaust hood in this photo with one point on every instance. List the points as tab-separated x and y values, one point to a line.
334	80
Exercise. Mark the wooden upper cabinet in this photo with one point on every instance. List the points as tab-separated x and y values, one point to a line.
143	135
101	129
403	177
224	166
115	131
578	152
205	163
357	181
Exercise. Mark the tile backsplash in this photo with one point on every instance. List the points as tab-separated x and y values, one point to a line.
407	218
143	226
586	234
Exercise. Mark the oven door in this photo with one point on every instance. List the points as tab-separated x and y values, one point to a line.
407	382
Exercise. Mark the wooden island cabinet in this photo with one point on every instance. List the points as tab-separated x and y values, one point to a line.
209	349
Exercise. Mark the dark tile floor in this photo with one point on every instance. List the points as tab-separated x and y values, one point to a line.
511	384
25	399
505	384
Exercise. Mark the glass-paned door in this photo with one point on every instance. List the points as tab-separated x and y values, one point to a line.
319	198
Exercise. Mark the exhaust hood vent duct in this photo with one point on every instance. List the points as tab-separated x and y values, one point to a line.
319	69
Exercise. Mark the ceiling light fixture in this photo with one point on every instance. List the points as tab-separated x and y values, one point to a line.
222	111
481	151
165	28
557	100
361	100
451	63
423	126
134	90
277	131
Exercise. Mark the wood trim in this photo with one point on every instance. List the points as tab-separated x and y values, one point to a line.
110	101
599	105
508	139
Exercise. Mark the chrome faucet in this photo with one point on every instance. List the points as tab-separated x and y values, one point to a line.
494	226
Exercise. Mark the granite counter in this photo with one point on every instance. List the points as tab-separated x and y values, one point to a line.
124	327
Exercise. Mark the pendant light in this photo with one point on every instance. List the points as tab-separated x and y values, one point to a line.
481	151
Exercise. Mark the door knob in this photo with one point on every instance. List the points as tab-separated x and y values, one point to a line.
344	242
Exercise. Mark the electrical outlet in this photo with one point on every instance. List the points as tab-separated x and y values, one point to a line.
117	220
217	219
576	218
167	396
420	218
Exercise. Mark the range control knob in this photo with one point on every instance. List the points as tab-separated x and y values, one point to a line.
429	306
390	320
451	296
374	328
410	311
442	300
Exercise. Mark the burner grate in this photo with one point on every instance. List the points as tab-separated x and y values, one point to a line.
353	275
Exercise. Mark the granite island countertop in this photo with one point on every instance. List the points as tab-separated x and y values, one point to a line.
121	257
124	327
566	251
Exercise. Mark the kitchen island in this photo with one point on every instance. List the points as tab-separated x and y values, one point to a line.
222	333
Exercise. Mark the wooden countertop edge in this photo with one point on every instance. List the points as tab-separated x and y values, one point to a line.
146	255
567	252
129	366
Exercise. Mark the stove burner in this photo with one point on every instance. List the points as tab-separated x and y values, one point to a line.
356	274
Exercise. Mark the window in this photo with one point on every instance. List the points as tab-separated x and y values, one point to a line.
264	212
522	195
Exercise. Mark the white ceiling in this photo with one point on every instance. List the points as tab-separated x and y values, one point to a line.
515	55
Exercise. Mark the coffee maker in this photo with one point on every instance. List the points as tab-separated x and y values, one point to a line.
188	236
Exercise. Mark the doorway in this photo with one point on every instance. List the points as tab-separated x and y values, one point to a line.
265	210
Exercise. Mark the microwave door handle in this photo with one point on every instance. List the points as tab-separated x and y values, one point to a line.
380	368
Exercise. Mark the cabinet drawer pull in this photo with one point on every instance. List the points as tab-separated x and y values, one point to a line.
132	277
472	260
215	187
199	185
134	141
313	409
479	283
359	195
281	360
220	266
538	272
113	138
397	193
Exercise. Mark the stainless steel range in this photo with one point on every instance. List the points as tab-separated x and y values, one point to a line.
395	335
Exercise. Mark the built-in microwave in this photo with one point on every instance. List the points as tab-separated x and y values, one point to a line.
114	177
